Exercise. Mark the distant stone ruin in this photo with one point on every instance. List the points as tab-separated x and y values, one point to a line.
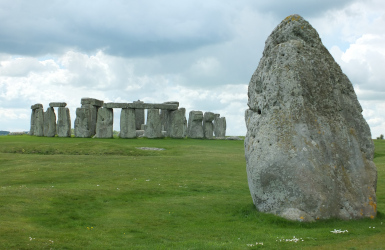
95	119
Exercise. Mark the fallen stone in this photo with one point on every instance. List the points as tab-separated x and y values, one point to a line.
308	149
195	128
127	124
148	148
57	104
63	126
104	123
234	138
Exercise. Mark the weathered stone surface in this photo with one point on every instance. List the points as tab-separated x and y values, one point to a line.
83	126
104	123
165	116
139	116
37	106
308	148
38	129
178	123
127	123
220	127
50	122
195	127
153	128
57	104
208	126
91	101
63	122
136	105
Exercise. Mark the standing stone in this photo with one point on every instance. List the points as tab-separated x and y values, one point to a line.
195	128
104	123
139	116
86	115
165	115
153	128
178	123
220	127
127	123
308	149
63	122
37	120
83	123
49	122
208	127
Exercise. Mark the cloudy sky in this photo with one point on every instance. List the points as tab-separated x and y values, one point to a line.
201	53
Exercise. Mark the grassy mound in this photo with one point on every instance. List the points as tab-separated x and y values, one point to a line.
76	193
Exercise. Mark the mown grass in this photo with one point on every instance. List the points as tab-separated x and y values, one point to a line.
75	193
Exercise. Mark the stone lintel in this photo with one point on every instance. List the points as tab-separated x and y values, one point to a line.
57	104
92	101
37	106
141	105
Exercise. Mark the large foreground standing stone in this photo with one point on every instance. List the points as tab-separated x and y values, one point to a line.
37	120
86	115
104	123
308	148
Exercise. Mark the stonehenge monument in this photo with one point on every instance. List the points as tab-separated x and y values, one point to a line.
95	119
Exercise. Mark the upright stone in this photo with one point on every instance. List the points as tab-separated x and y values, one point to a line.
49	122
208	127
153	128
178	123
195	128
37	120
308	149
139	116
127	123
85	122
220	127
165	115
104	124
63	122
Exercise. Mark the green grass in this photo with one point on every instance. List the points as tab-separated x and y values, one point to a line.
77	193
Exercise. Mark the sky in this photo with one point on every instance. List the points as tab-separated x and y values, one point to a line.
201	53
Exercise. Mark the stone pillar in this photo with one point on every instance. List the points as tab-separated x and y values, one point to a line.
50	122
178	123
165	115
208	127
37	120
105	122
139	116
127	123
195	129
63	122
86	115
220	127
153	128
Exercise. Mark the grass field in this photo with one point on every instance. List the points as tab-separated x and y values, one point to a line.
77	193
